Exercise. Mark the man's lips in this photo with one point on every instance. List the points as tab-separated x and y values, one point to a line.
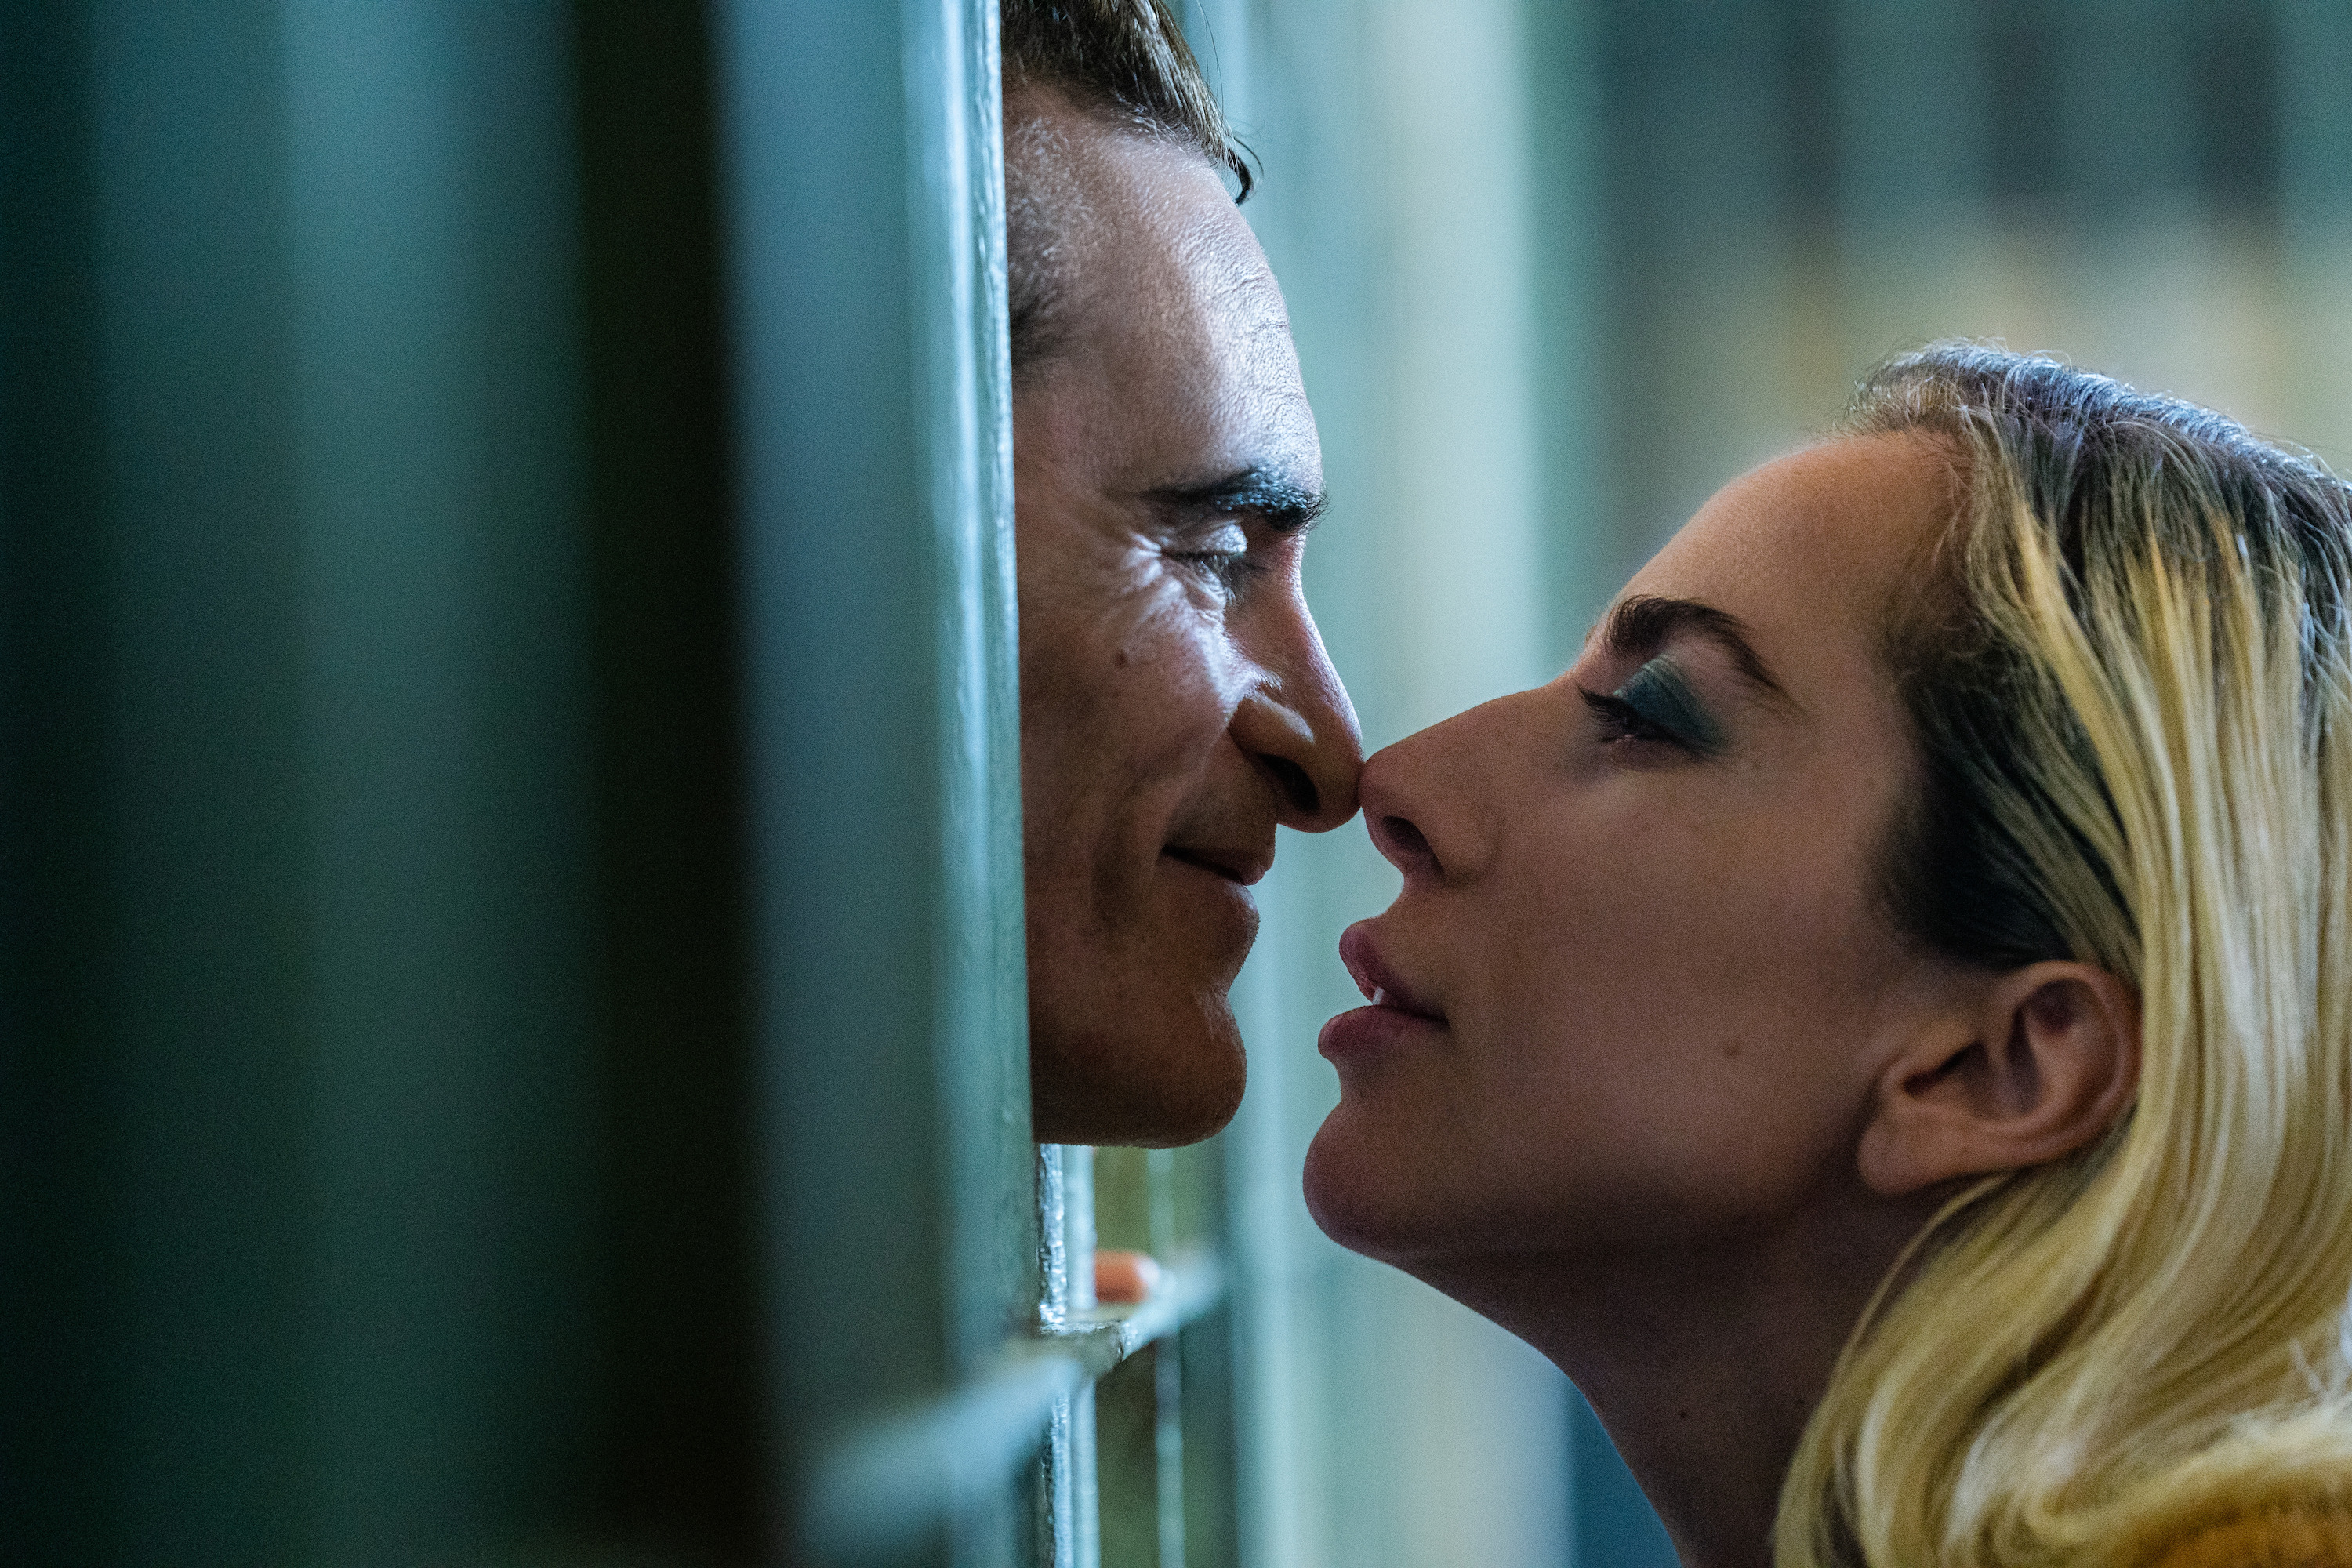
1380	984
1234	864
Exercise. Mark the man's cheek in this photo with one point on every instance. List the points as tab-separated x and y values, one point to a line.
1155	600
1178	650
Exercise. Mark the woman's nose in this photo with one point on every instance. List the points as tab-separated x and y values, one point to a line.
1428	799
1407	848
1387	788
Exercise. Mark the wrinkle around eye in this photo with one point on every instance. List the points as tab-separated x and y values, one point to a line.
1221	556
1169	593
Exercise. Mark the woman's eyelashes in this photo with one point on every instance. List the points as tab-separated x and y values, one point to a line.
1658	704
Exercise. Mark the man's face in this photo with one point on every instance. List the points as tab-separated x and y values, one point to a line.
1176	703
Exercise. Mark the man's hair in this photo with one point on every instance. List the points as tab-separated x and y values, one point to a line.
1125	59
1122	60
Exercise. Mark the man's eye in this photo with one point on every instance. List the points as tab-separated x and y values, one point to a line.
1222	556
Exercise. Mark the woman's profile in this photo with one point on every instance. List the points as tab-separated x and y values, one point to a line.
1882	1021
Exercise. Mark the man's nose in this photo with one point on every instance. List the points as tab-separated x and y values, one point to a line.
1298	726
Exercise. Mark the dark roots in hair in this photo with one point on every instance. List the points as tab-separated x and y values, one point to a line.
2098	465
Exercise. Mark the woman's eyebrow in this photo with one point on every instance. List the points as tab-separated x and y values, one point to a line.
1640	627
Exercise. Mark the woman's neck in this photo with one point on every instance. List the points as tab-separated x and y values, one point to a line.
1704	1362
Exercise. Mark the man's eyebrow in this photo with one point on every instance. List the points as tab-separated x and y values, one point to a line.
1640	627
1283	504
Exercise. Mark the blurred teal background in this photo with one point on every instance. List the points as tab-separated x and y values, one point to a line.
388	1138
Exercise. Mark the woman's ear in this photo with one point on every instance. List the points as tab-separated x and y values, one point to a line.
2041	1065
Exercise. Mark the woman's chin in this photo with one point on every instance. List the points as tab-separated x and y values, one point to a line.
1354	1191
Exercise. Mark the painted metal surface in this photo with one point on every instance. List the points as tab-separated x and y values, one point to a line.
863	176
297	1058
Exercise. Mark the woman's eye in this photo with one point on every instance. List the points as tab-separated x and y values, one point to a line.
1657	704
1621	720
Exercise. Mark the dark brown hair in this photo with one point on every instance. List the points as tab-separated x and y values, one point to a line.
1127	62
1125	59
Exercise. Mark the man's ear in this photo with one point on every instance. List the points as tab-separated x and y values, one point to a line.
2041	1065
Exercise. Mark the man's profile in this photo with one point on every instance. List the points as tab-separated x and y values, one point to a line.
1176	703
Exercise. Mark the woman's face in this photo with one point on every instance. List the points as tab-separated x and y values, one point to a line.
1639	983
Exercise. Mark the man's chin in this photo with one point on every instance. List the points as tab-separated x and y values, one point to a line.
1137	1081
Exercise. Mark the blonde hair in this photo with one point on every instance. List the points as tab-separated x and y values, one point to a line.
2130	674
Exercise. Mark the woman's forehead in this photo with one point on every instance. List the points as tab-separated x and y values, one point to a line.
1807	552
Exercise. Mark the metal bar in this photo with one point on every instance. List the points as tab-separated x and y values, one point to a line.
298	1091
885	1486
444	573
683	1474
862	184
1167	1375
1071	1533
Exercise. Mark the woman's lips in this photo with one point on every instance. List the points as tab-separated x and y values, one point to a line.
1380	984
1396	1017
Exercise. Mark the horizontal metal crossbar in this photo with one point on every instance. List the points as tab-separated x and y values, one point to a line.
884	1484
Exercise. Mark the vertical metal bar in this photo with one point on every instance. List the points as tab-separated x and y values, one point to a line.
295	818
444	609
61	1177
1055	1512
682	1473
1126	1469
445	584
863	190
1205	1390
1073	1472
1167	1371
156	1010
953	100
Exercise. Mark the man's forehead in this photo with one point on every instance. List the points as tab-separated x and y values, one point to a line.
1162	300
1152	223
1241	292
1111	203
